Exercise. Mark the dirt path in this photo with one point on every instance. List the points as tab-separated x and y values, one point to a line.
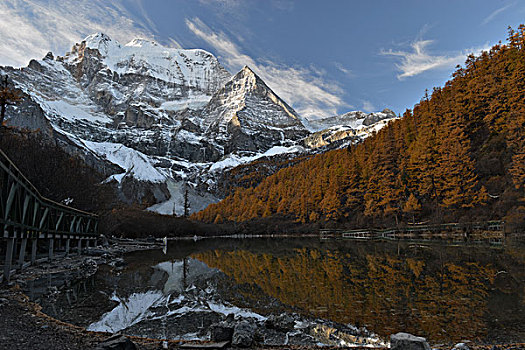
23	326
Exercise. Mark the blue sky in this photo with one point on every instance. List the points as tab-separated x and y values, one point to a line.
322	57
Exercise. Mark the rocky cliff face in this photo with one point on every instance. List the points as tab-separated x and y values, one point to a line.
161	122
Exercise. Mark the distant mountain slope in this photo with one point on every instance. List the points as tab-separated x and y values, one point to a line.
459	155
346	129
356	120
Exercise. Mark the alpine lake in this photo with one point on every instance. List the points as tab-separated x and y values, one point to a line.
303	291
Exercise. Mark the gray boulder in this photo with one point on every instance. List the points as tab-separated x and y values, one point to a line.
243	334
116	342
406	341
461	346
272	337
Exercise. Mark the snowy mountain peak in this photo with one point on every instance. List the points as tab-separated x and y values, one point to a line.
246	80
247	115
96	38
196	69
108	46
137	42
247	83
99	41
247	70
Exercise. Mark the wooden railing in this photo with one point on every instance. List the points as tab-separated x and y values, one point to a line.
26	214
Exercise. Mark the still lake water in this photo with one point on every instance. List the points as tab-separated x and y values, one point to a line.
445	293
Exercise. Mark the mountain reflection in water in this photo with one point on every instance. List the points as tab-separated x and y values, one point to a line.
445	293
185	290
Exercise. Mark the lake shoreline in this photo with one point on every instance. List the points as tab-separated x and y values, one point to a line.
48	330
20	314
25	326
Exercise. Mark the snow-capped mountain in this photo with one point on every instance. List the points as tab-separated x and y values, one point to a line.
195	69
159	121
356	120
342	130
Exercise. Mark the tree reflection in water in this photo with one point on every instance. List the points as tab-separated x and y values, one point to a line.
438	292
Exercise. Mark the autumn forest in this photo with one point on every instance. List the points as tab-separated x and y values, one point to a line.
458	155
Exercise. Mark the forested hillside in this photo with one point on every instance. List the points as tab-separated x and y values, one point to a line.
66	178
56	174
458	155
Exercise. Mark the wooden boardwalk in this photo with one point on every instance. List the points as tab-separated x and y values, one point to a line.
489	231
26	216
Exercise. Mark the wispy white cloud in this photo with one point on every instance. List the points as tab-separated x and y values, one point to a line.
419	60
304	88
228	9
230	4
145	17
283	5
367	106
234	6
495	13
343	69
30	28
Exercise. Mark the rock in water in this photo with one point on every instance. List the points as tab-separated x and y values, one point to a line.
282	322
406	341
221	332
117	342
243	334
